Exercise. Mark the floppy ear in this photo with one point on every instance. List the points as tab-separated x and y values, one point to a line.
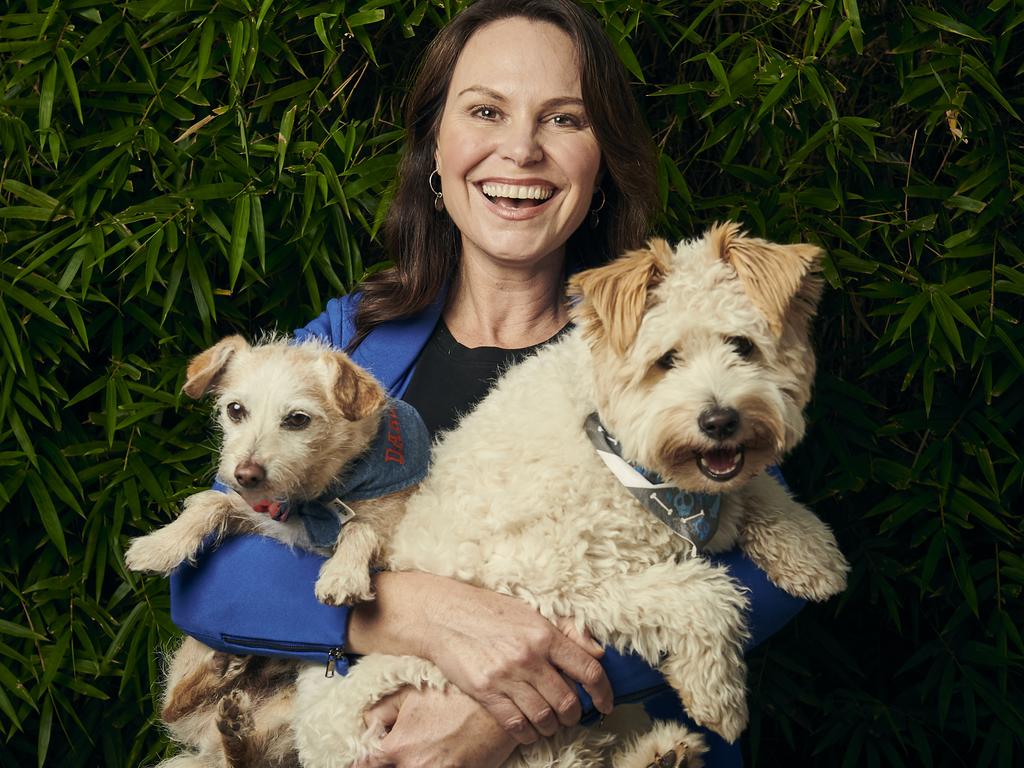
781	280
206	368
613	298
356	392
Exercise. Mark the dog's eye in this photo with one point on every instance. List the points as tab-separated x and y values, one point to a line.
296	420
744	347
667	361
235	411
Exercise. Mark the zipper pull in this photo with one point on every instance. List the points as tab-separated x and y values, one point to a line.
333	657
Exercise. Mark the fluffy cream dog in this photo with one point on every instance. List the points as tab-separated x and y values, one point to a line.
698	365
301	425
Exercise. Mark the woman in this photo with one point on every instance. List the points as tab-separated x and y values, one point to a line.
525	158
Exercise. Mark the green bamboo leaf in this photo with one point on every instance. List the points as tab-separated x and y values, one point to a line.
31	195
110	410
69	81
18	429
321	30
362	18
46	95
942	314
284	136
17	630
856	32
264	7
13	343
47	513
258	232
777	92
239	235
205	47
202	290
947	24
45	726
8	709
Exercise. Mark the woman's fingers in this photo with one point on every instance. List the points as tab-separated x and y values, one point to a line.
584	669
511	717
561	704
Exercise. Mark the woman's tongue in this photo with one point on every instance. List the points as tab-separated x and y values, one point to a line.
515	202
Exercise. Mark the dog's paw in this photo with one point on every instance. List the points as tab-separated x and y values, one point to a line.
234	715
819	574
665	745
673	758
715	696
337	587
152	553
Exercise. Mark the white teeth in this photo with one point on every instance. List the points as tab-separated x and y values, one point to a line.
517	191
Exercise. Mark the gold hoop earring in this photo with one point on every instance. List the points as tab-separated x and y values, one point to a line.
594	218
438	196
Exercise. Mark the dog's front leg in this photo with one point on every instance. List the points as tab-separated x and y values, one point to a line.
181	540
789	543
694	612
345	577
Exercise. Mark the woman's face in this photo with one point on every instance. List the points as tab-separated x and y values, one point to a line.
516	153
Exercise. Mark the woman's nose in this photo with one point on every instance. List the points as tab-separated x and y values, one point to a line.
520	143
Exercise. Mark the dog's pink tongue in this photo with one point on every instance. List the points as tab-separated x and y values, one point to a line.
721	460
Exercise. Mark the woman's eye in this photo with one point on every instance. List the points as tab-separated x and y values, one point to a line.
667	361
567	121
744	347
235	411
487	113
296	420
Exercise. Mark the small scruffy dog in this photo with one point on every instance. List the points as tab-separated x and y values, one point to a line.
302	426
693	364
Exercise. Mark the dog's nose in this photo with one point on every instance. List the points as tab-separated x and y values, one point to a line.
719	423
249	474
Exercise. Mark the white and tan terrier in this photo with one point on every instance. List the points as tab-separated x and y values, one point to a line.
299	423
696	364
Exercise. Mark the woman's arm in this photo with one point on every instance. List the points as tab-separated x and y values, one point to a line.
255	595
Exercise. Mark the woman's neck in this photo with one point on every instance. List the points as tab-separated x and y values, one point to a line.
491	306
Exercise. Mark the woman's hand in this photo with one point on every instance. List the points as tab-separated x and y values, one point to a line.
434	729
494	647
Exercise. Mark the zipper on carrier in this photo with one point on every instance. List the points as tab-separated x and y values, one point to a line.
334	654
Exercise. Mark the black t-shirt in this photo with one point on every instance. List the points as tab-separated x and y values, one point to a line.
451	379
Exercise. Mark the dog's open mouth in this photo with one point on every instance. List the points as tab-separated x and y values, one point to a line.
721	464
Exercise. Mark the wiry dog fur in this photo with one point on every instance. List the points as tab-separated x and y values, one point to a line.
518	500
292	417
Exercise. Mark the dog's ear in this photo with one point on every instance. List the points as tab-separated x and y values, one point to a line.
356	392
781	280
611	300
206	368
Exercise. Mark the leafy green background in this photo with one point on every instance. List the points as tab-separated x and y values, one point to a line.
173	170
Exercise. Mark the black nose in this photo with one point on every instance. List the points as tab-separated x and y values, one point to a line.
250	474
719	423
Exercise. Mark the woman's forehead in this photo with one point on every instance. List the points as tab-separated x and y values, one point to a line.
509	56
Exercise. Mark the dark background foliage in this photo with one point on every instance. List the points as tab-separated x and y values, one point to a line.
173	170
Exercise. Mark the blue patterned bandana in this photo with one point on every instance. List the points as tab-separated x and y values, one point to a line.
691	516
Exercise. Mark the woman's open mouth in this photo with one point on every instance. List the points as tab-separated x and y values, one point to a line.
517	196
721	464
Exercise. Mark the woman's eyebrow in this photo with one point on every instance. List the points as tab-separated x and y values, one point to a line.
493	95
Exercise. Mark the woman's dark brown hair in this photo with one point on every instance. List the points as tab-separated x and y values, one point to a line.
424	244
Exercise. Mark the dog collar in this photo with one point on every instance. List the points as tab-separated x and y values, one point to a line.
691	516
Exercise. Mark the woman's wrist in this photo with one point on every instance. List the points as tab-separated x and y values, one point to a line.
396	621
